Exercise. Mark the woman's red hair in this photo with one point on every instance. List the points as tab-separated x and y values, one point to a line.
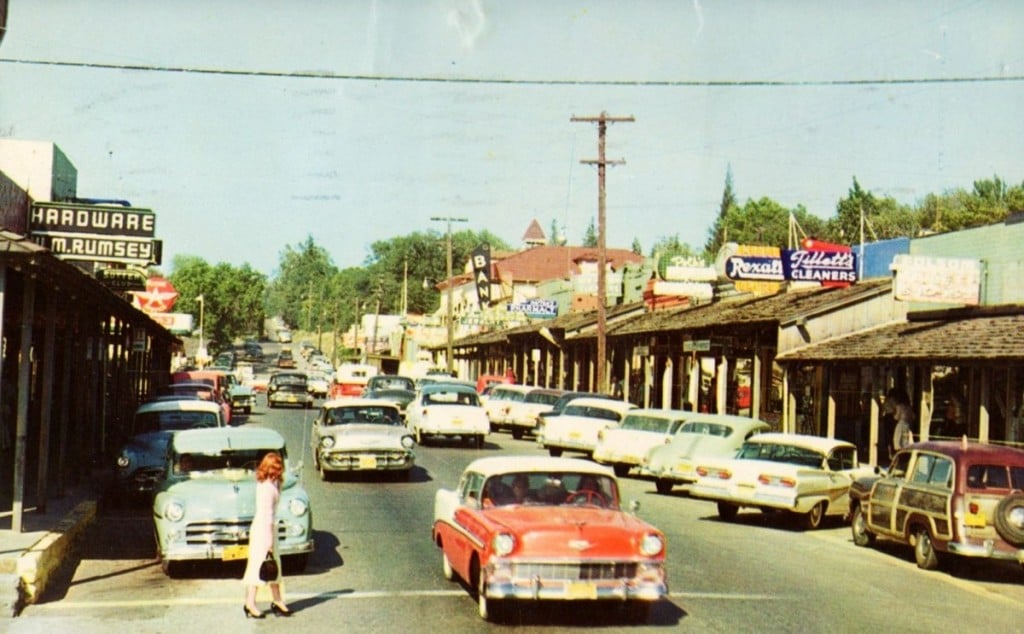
271	467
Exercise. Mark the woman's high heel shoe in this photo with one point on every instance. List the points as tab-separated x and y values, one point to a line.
249	614
280	610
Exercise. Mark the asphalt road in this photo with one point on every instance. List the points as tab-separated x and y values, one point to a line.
376	570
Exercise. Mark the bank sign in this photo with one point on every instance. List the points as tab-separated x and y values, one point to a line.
796	265
97	233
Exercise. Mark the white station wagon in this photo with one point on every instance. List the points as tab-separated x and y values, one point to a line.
581	420
807	476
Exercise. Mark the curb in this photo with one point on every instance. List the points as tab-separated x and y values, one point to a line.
52	551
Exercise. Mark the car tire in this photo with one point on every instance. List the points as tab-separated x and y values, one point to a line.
811	520
554	452
727	511
480	441
1009	519
294	564
446	566
517	434
171	568
859	527
924	550
621	470
663	486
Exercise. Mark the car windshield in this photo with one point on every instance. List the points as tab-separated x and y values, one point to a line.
655	424
372	414
544	398
789	454
289	379
191	463
174	420
292	388
706	429
551	489
450	397
589	411
393	382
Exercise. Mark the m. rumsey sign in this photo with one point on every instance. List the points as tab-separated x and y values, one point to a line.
98	233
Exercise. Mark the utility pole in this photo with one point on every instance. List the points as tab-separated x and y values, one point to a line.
451	325
602	120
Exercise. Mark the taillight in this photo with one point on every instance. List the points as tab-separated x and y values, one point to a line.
776	481
711	472
973	508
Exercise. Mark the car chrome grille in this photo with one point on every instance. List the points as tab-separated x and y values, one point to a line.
224	532
383	457
575	570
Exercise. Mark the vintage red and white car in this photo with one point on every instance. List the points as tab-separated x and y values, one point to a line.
806	476
537	528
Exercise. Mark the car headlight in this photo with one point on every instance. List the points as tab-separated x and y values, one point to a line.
174	511
408	442
327	442
123	461
651	545
297	506
502	544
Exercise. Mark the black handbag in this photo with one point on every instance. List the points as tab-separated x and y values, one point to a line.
268	569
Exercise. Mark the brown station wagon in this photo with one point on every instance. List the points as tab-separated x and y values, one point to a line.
945	497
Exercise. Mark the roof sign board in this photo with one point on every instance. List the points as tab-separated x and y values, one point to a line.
64	218
922	278
99	233
536	308
819	266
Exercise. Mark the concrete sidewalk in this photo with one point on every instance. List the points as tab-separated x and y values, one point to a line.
29	558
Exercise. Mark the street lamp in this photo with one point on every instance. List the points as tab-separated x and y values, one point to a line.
201	352
451	325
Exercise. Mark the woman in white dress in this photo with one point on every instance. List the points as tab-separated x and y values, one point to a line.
263	537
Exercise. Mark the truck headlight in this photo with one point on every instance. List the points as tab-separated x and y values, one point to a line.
408	442
297	506
174	511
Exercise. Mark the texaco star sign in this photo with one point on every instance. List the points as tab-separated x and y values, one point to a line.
159	296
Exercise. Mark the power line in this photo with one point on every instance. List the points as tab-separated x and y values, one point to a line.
650	83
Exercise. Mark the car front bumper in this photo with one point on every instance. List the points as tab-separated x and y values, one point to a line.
355	460
576	580
198	540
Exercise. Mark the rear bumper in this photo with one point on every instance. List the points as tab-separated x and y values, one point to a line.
986	550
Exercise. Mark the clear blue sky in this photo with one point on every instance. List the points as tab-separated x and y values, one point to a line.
248	125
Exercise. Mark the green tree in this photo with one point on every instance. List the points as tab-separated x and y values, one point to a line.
718	232
232	304
990	201
884	218
590	237
667	247
636	247
297	294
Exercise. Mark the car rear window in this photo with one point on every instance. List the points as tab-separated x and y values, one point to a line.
588	411
706	429
991	476
649	423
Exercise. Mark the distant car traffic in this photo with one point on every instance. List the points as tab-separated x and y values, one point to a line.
701	436
577	427
945	498
521	416
204	506
141	462
401	398
625	446
289	388
807	477
361	435
448	410
520	529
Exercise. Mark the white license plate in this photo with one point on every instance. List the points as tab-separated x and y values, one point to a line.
581	590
